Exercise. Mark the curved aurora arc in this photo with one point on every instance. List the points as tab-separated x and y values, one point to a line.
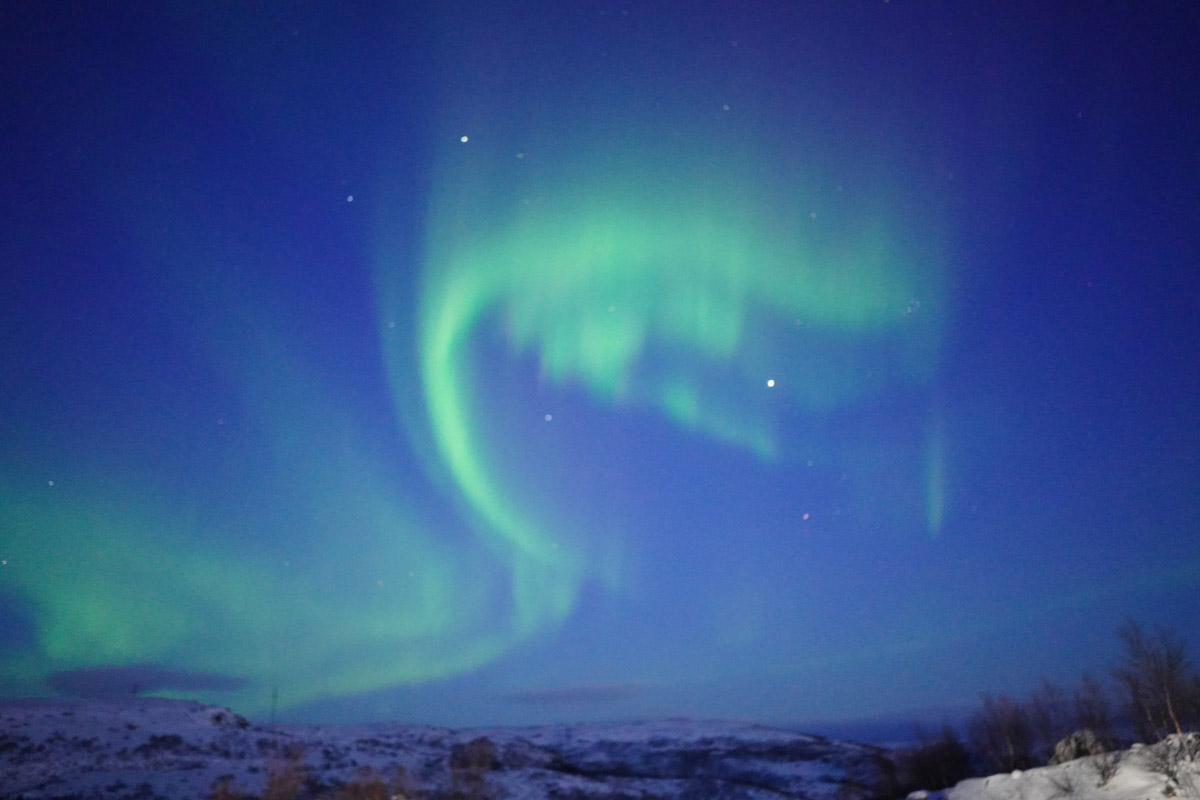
650	274
656	262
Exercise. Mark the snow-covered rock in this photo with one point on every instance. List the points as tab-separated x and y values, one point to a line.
1075	745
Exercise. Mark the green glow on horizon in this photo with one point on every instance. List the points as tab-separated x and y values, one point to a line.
114	575
109	587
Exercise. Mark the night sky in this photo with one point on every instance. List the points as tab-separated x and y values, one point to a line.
474	363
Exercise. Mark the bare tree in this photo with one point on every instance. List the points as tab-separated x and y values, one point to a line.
1160	685
1049	717
1093	711
1093	714
1001	734
936	762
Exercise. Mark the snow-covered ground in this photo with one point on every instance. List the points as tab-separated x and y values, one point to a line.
146	748
1137	777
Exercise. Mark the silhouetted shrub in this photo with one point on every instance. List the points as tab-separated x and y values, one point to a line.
469	766
223	788
369	784
286	776
1093	712
1000	733
934	763
1049	713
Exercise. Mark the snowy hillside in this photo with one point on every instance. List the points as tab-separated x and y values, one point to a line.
147	748
1140	774
144	748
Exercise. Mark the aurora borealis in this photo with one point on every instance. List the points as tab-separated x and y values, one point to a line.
641	295
521	362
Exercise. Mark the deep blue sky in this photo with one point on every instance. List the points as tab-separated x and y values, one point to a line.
305	396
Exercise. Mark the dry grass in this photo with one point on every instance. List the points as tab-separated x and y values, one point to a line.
288	778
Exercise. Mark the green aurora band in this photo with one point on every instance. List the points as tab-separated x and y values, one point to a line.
667	279
652	271
114	577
